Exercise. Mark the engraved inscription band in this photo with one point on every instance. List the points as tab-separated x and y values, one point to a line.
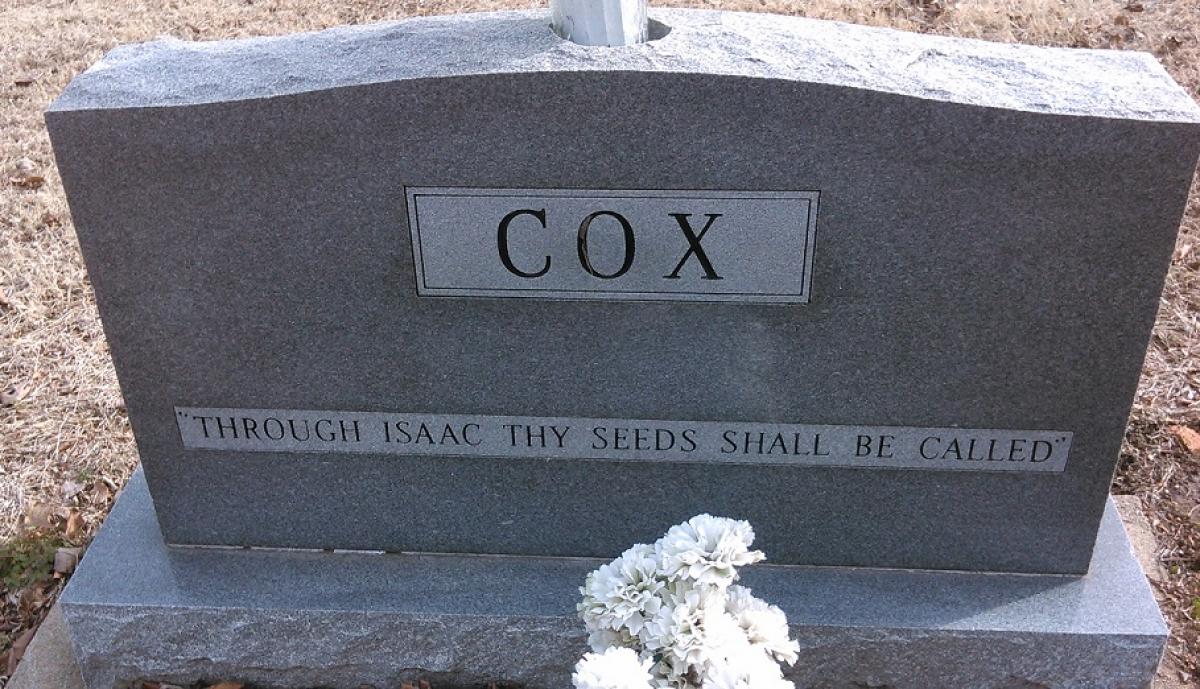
739	246
736	442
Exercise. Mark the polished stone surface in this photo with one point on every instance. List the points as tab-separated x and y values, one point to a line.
139	609
994	226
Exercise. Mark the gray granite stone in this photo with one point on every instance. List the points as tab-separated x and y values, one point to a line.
994	225
49	660
1093	83
140	609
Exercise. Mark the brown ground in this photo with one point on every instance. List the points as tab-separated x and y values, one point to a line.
65	443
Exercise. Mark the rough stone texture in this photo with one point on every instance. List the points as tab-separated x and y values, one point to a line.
995	223
1141	536
138	609
1093	83
49	661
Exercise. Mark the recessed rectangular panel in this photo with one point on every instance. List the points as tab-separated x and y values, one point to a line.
744	246
640	440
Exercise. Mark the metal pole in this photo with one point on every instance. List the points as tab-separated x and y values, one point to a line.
600	22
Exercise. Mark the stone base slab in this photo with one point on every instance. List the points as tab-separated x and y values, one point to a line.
137	609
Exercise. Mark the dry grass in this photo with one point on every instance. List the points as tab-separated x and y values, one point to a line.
65	440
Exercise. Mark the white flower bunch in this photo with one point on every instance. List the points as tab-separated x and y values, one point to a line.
615	668
669	616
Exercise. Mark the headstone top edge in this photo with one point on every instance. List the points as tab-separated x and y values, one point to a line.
1056	80
1062	81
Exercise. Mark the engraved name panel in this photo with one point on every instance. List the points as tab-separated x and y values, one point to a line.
645	245
737	442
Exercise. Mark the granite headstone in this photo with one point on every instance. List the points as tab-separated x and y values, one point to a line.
387	288
456	286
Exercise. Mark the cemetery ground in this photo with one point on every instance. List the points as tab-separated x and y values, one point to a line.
65	442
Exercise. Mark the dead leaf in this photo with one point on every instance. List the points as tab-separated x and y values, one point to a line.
101	492
70	488
32	599
14	393
65	560
1188	437
18	650
25	80
22	641
27	181
37	516
74	527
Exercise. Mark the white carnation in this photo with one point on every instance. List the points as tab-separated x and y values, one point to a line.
746	668
725	676
616	668
765	625
762	671
602	639
668	616
689	593
707	550
723	636
623	594
691	631
679	618
676	635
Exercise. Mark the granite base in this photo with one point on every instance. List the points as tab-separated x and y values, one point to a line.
137	609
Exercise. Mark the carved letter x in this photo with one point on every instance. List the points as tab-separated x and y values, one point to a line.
694	246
